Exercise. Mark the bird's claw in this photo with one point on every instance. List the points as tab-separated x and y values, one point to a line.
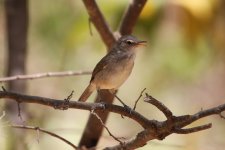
127	108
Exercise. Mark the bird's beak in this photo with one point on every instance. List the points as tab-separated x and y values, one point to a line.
141	43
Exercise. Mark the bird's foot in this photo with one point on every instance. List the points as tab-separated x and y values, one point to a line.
128	108
124	105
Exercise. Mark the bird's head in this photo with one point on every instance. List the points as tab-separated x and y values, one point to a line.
129	42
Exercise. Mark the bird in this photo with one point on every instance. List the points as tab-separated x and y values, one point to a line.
115	67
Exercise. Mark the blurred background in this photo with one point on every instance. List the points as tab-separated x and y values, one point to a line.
182	66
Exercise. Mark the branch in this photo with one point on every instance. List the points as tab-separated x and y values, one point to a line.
153	129
169	126
159	105
135	104
44	75
45	131
201	114
60	104
107	129
98	20
90	139
130	16
194	129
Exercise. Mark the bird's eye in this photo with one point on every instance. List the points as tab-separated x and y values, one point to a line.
129	42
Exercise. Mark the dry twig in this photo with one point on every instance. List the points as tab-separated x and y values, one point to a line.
107	129
159	105
120	100
44	75
135	104
45	131
19	112
194	129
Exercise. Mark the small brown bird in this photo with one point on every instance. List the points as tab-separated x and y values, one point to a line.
115	67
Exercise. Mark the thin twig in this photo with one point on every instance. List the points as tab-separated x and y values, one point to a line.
19	112
135	104
66	103
107	129
44	75
70	96
159	105
120	100
44	131
192	130
201	114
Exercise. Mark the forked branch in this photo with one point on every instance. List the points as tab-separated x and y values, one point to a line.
152	129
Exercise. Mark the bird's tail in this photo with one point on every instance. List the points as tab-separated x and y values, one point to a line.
87	92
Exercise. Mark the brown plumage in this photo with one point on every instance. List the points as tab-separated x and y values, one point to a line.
115	67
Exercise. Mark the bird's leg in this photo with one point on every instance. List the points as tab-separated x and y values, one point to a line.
113	91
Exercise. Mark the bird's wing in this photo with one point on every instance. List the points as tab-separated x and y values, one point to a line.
101	65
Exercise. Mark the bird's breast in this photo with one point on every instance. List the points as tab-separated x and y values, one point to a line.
115	73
